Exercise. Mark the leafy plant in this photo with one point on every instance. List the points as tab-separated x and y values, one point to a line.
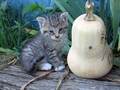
6	51
41	9
71	6
109	11
3	21
12	33
115	17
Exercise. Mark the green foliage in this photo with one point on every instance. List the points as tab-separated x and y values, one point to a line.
4	51
75	8
12	33
66	47
31	7
117	62
118	39
3	8
42	9
13	37
109	12
115	16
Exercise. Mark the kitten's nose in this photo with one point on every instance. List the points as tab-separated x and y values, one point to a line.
57	36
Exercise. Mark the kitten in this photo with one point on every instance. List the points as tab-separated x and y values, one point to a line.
44	50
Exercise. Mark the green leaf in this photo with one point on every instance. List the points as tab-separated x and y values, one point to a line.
102	9
6	51
63	9
4	6
115	11
117	62
73	7
70	9
72	3
30	31
30	7
81	5
66	47
59	5
118	39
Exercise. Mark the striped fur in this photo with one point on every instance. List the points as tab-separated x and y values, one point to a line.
45	47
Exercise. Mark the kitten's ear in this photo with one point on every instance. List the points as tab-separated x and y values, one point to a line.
41	21
64	16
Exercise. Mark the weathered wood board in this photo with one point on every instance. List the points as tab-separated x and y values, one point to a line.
13	77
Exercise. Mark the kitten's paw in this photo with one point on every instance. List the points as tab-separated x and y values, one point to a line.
59	68
45	66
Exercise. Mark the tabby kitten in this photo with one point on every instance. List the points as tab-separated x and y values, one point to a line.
44	50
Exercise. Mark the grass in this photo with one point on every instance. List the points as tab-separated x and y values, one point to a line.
12	32
13	37
12	28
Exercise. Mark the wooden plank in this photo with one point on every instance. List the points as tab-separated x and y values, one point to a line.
13	77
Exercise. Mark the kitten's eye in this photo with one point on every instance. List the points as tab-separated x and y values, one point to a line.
51	32
45	32
60	30
65	28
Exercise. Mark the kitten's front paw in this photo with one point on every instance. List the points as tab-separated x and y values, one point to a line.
59	68
45	66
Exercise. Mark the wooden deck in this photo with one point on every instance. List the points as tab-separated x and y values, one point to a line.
13	77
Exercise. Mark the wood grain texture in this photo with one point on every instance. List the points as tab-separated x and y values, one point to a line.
13	77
